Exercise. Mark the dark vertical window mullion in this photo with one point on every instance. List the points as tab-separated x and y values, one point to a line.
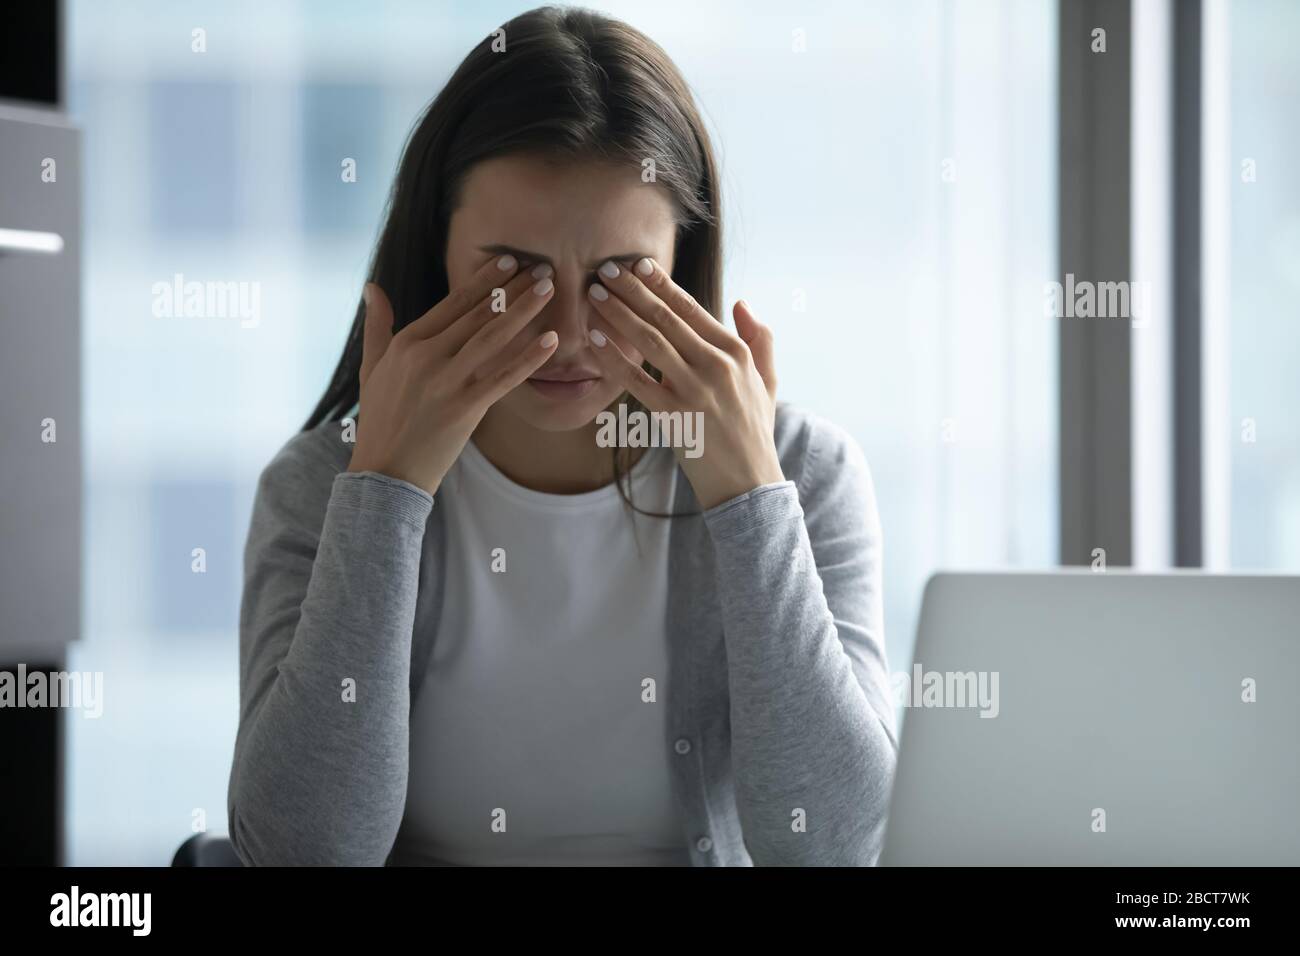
1094	115
1186	278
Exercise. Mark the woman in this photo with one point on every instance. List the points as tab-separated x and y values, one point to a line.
470	634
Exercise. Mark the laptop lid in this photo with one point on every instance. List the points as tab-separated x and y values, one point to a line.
1118	718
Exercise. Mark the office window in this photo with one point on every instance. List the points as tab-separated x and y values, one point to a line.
194	555
195	166
1262	361
342	123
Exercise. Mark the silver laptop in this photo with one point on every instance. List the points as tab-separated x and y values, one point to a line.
1113	718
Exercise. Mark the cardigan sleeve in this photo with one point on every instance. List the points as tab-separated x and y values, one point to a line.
331	574
813	740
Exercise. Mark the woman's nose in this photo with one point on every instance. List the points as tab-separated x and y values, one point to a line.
569	310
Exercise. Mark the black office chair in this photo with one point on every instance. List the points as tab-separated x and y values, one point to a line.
203	849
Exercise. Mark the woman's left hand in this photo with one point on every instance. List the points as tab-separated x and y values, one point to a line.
728	377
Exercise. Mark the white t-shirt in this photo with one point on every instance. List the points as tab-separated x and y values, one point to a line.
531	740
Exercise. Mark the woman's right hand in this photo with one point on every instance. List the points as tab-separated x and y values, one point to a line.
425	389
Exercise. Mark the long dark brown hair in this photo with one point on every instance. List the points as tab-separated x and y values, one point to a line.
563	82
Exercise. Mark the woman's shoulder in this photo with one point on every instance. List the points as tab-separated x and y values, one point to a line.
304	467
814	450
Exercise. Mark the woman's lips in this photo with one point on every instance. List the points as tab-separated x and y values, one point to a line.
569	390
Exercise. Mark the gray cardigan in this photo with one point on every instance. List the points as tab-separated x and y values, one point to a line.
780	729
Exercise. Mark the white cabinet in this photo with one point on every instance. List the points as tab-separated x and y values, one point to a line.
40	385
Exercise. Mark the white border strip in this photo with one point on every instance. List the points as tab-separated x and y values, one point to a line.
1216	207
1152	334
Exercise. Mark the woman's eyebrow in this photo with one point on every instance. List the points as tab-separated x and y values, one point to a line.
500	249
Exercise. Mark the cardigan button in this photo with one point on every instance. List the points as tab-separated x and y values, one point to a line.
704	844
682	746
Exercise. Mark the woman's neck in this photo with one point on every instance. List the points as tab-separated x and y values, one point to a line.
553	462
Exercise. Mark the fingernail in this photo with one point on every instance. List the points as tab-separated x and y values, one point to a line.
746	305
548	339
609	270
644	267
542	271
597	338
506	263
544	286
599	292
365	294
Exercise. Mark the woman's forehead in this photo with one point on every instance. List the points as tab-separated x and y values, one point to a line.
527	199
